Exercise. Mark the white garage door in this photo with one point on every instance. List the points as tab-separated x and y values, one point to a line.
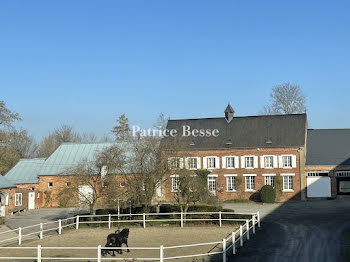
318	186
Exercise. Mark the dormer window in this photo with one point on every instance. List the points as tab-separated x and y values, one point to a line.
229	112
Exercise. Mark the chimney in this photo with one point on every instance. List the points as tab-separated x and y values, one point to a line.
229	112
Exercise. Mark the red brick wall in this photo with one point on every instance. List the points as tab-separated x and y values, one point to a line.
259	179
12	208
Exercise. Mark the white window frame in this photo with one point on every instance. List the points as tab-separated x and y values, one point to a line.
48	185
268	178
252	181
208	162
290	176
175	185
317	173
18	199
291	161
228	182
233	162
190	163
246	162
212	178
272	162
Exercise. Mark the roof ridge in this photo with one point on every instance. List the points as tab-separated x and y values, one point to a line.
205	118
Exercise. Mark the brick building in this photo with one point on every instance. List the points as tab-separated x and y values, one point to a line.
259	150
328	162
12	199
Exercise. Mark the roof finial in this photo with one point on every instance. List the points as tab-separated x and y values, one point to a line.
229	112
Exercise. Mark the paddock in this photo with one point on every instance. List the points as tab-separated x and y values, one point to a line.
139	237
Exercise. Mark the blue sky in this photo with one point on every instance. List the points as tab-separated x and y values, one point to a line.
83	63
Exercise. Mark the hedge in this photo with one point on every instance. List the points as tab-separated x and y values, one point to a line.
268	194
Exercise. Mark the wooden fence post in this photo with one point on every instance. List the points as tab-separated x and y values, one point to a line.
241	235
99	253
224	250
233	242
59	226
220	222
109	221
144	220
253	224
258	215
77	222
39	253
161	253
19	236
41	230
247	228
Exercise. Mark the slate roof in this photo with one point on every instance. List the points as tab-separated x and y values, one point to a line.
241	132
69	155
5	183
25	171
328	147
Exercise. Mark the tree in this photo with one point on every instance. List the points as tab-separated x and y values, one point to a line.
193	188
61	135
122	130
161	122
7	117
286	99
146	171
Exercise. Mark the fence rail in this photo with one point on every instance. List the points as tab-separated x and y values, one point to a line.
230	243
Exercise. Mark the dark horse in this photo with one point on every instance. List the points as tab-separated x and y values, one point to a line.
116	239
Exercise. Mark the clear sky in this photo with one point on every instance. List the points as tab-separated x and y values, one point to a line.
83	63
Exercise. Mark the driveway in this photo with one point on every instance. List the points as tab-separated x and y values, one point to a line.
298	231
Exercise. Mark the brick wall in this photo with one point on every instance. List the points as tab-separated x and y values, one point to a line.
221	192
12	208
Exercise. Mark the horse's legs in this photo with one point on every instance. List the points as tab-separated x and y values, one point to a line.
126	243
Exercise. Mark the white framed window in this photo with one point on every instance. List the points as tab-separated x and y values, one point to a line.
249	182
230	182
249	162
268	162
175	181
18	199
212	162
212	183
175	162
50	185
342	173
269	179
230	162
193	163
288	182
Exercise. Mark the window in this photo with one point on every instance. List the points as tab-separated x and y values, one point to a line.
38	195
250	183
287	161
122	184
249	162
230	162
192	162
343	173
174	162
268	161
212	183
211	162
18	199
270	180
175	181
231	183
50	185
68	184
317	173
287	183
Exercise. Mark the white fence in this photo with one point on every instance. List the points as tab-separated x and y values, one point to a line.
230	243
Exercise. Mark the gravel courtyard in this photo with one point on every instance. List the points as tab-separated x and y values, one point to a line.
139	237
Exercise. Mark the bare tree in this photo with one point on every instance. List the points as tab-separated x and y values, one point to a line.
161	122
192	188
7	117
286	99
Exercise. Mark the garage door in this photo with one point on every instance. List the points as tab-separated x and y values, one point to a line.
318	186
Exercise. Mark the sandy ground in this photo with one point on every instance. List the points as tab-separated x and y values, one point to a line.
139	237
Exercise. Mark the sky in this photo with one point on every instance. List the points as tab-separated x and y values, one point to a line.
83	63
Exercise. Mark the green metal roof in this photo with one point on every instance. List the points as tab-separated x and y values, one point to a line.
69	155
25	171
5	183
